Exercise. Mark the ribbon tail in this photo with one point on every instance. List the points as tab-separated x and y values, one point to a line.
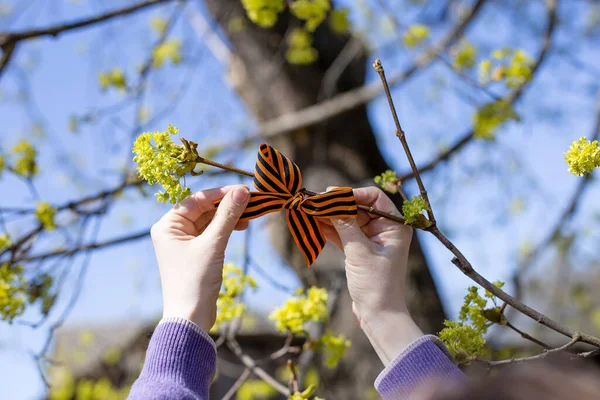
306	233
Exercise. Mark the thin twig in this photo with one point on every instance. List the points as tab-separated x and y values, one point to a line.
86	247
9	40
564	218
352	99
367	209
510	99
465	266
402	137
258	371
527	336
492	364
240	381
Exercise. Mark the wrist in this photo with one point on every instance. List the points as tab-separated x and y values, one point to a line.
204	319
390	332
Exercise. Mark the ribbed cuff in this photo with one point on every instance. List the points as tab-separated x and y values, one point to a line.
181	352
423	360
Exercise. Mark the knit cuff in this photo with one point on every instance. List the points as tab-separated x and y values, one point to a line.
423	360
181	352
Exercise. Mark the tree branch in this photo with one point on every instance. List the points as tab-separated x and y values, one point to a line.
527	336
9	40
240	381
86	247
565	217
258	371
492	364
511	98
465	266
355	98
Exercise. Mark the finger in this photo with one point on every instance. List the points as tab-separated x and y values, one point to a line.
198	203
241	226
202	222
227	216
376	198
331	235
205	218
380	231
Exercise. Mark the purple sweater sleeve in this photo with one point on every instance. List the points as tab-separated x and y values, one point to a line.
423	361
180	363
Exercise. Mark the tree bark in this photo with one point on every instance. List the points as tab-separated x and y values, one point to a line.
340	151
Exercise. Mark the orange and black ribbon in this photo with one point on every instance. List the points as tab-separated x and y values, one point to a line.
279	182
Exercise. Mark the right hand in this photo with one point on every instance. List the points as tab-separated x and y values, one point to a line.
376	251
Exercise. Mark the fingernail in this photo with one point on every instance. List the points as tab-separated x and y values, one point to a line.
240	195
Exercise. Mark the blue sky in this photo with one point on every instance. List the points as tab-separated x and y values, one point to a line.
473	194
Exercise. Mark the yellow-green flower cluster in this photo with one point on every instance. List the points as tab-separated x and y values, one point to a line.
5	241
86	389
160	161
490	116
255	388
412	210
299	310
415	35
234	283
45	215
158	25
12	291
338	20
305	395
512	65
25	165
263	12
300	50
583	156
333	347
168	50
464	338
312	11
464	55
2	164
388	181
114	78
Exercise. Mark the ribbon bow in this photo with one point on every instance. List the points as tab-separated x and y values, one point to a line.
279	182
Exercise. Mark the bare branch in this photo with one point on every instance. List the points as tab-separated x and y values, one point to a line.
492	364
563	219
527	336
355	98
240	381
511	99
9	40
402	137
86	247
58	29
465	266
258	371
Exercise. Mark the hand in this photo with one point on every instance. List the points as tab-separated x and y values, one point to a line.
376	251
190	242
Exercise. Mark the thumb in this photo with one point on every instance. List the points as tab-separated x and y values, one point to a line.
227	215
348	230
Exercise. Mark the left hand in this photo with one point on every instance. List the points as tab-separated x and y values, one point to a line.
190	242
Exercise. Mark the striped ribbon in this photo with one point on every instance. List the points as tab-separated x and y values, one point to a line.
279	182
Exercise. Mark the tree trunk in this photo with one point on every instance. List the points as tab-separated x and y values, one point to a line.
340	151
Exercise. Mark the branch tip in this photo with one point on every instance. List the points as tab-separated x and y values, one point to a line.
377	66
